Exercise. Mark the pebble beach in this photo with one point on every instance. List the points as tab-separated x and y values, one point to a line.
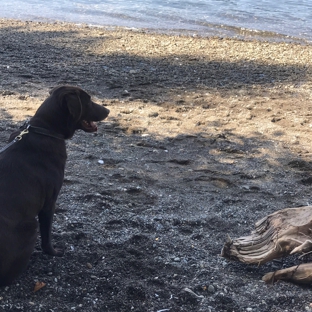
206	136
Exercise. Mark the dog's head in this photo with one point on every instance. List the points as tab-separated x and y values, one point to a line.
69	108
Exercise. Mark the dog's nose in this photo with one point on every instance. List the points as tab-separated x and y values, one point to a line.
107	110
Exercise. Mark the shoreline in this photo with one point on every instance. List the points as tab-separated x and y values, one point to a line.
202	30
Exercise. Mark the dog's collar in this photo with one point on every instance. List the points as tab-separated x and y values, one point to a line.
26	128
39	130
46	132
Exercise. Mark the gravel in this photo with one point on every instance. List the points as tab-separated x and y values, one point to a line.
205	137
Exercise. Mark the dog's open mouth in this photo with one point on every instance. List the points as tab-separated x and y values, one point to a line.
88	126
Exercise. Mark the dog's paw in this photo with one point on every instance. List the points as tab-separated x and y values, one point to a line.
57	252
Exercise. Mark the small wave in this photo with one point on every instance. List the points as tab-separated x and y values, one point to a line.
284	20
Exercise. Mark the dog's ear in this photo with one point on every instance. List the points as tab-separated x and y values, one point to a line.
74	105
71	98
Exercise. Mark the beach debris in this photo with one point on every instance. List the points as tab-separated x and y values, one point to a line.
193	293
283	233
39	285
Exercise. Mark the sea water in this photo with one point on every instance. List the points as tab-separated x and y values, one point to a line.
207	17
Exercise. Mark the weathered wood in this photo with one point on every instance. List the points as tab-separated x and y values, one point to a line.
284	232
300	274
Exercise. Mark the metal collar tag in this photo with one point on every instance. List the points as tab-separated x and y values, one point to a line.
19	137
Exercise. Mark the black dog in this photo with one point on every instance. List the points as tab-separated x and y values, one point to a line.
31	175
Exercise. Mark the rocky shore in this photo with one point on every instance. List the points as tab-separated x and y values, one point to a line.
205	137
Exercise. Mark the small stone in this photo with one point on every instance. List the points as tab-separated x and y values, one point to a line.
249	309
211	289
23	97
154	114
125	93
101	161
89	265
249	107
176	259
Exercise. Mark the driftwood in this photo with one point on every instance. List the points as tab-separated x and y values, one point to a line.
282	233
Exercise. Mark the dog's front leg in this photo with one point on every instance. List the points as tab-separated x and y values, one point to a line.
45	222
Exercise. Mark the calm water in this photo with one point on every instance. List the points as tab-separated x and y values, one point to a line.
219	17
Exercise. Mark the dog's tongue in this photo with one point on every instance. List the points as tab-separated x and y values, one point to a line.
93	125
89	126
